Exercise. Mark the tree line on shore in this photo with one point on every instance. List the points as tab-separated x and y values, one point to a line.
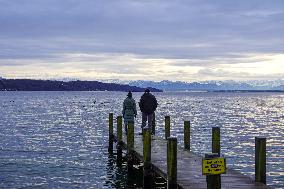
50	85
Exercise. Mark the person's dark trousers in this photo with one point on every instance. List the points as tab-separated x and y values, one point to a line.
147	117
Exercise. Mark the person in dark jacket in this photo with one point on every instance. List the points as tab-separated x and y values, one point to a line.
148	105
129	110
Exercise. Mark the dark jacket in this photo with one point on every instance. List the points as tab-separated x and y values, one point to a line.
148	103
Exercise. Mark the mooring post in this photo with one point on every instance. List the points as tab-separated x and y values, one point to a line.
110	133
147	177
260	159
167	127
213	181
216	140
186	135
171	163
119	139
154	124
130	146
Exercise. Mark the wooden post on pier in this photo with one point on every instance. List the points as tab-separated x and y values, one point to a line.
260	159
215	180
130	146
171	163
119	139
186	135
216	140
154	124
147	176
119	128
110	133
167	127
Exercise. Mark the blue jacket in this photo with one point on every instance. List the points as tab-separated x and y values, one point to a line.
129	110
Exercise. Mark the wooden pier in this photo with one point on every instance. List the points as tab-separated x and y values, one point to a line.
187	170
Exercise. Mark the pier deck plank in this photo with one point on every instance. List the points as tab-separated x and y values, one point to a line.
189	167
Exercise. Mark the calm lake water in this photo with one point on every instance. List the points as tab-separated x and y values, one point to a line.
60	139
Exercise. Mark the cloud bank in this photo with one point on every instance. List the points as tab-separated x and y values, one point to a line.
152	40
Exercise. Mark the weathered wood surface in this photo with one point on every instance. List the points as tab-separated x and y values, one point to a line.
189	167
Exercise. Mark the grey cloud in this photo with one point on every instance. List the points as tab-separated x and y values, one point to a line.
220	60
225	75
199	31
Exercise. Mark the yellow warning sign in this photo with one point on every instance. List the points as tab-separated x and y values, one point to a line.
213	166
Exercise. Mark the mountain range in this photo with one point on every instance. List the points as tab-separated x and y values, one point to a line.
167	85
140	85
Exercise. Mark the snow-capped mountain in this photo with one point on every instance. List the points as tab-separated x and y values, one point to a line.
167	85
65	79
115	81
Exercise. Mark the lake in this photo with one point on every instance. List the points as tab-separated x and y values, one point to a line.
60	139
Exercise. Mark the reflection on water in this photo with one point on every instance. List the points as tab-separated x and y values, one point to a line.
116	175
59	139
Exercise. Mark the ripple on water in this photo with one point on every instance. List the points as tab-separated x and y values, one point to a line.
60	139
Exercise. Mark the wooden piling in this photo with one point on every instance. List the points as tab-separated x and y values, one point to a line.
110	133
130	146
171	163
186	135
216	140
260	159
130	136
213	181
154	124
167	127
119	139
147	176
146	145
119	128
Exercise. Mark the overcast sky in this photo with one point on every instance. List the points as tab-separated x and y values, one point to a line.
185	40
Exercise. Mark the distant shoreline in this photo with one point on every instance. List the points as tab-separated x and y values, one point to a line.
209	91
48	85
247	91
226	91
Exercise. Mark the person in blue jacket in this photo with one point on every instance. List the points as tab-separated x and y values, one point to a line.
129	110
